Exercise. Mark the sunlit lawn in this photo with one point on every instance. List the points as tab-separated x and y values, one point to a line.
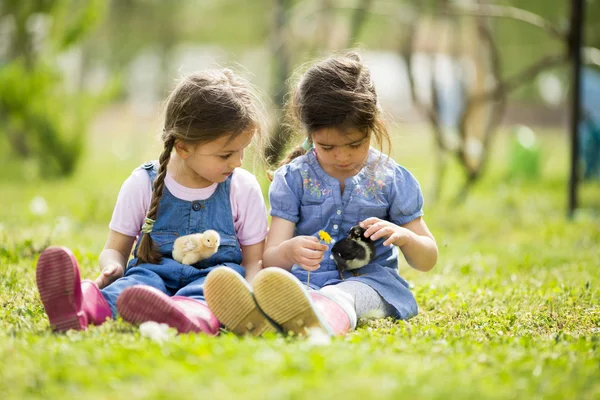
510	311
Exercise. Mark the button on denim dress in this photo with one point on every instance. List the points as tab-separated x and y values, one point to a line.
303	193
176	218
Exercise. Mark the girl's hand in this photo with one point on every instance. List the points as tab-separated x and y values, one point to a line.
109	274
306	251
377	228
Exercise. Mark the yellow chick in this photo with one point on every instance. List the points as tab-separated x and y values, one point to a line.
190	249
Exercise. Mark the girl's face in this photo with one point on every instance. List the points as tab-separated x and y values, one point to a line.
211	162
341	154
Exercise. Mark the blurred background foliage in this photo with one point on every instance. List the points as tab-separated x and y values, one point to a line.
64	63
43	119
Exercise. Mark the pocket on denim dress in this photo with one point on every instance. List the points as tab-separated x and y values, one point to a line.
164	240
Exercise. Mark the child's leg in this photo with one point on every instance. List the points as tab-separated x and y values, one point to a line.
69	302
358	299
230	297
186	310
94	304
343	299
284	299
148	275
141	303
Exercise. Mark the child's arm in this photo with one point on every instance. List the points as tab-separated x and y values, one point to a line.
113	258
414	240
284	250
251	256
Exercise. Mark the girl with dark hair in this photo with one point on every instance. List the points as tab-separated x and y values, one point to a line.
335	181
196	185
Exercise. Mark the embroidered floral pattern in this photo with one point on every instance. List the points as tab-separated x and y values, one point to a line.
314	186
372	188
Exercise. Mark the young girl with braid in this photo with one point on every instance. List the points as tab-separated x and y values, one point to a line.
196	185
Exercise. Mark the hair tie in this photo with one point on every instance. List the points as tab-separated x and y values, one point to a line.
307	145
148	224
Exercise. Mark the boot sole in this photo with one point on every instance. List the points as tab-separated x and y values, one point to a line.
283	298
139	304
230	298
59	285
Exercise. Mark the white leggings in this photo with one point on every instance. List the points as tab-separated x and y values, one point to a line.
358	300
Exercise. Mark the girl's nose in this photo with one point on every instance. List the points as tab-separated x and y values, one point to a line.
237	161
342	154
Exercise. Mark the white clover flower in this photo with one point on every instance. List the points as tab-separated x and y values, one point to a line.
63	225
155	331
318	337
38	206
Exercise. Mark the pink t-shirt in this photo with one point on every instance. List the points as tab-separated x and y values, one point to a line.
247	204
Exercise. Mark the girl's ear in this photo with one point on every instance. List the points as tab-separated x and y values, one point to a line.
183	149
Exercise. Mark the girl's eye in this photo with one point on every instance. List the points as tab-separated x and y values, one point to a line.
225	157
327	148
356	146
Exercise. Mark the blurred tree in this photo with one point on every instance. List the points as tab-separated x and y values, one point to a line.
42	118
281	64
466	109
472	148
132	26
164	30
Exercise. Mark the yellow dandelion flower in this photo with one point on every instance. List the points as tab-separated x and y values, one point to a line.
324	236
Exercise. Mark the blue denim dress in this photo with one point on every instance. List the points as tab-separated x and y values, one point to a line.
303	193
176	218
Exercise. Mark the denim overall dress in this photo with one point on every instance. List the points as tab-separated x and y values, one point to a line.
176	218
303	193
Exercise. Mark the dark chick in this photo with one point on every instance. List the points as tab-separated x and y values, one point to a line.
354	251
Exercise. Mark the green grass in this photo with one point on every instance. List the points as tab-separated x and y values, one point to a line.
510	311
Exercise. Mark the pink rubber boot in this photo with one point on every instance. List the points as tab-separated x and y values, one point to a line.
94	305
285	300
69	302
143	303
333	315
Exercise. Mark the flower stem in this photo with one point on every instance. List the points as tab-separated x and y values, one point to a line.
323	238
